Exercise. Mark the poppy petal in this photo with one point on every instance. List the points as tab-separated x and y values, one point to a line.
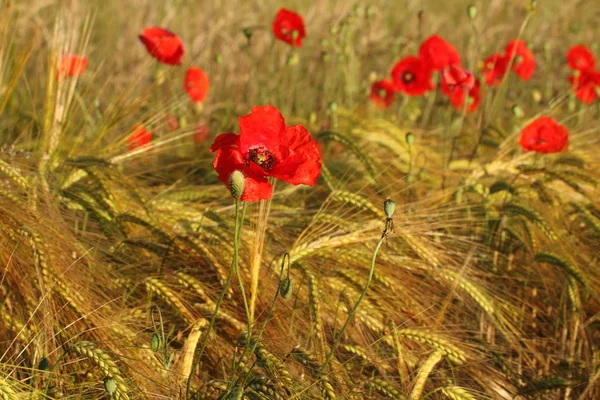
265	127
303	164
224	140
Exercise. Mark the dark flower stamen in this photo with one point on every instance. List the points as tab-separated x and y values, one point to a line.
408	77
262	157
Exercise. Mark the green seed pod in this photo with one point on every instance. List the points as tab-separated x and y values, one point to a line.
292	59
219	59
44	364
369	12
295	34
110	385
389	206
237	181
472	11
410	138
332	106
517	111
155	342
285	288
333	30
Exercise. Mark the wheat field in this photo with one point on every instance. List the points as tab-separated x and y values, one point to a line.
128	270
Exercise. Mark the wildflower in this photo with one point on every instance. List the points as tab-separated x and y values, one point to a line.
459	94
265	147
586	85
172	122
140	138
71	65
581	58
412	76
494	68
201	133
438	53
455	75
196	84
163	45
289	27
544	135
382	93
521	58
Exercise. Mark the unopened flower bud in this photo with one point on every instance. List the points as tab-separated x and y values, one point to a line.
517	111
219	59
410	138
389	206
44	364
472	11
292	59
369	12
155	342
285	288
237	181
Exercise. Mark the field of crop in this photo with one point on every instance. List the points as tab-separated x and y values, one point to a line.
344	199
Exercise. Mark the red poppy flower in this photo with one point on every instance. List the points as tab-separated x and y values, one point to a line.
266	146
196	84
140	138
289	27
382	93
523	60
455	75
163	45
459	94
494	68
71	65
412	76
544	135
201	133
586	84
438	53
580	57
172	122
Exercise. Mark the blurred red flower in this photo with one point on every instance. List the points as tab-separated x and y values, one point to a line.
580	58
71	65
289	27
521	58
586	85
455	75
459	94
163	45
544	135
438	53
494	68
382	93
201	133
196	84
172	122
412	75
139	138
266	146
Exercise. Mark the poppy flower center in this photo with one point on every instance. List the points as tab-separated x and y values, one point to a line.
407	77
261	157
382	93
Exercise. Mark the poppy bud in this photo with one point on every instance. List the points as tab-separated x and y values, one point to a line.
248	33
285	288
532	5
333	30
183	122
155	342
389	206
237	181
44	365
219	59
110	385
332	106
312	119
537	96
517	111
292	59
410	138
472	11
369	12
